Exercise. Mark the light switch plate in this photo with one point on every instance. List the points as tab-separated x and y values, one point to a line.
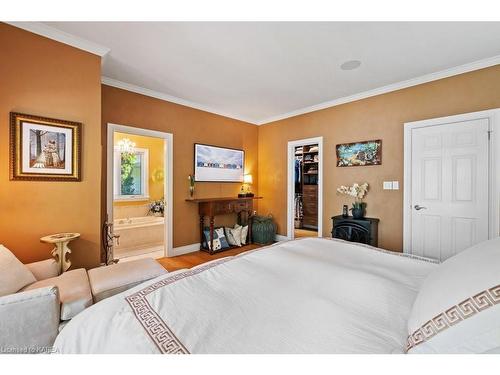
395	185
387	185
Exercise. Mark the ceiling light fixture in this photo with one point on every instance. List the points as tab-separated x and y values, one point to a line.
350	65
126	146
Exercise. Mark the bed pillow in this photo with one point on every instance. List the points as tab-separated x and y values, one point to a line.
457	309
13	274
219	240
233	236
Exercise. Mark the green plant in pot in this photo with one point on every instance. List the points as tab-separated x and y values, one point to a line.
191	185
357	192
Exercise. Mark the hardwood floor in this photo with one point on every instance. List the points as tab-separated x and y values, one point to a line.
199	257
305	233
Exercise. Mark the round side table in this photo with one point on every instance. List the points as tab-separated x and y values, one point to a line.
61	251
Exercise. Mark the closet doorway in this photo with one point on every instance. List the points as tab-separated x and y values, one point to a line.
305	203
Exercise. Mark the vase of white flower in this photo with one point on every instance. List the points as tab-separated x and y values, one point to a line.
358	210
357	192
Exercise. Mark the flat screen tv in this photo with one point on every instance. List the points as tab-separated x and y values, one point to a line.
218	164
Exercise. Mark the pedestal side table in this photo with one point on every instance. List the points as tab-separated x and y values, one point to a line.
61	251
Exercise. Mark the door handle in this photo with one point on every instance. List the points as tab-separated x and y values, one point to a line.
418	208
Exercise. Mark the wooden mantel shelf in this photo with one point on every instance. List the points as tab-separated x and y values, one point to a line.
202	200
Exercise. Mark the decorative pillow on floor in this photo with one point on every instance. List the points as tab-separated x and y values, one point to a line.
457	309
219	239
244	233
233	235
13	274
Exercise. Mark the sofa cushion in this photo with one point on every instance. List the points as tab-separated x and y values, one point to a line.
74	291
44	269
110	280
13	274
29	321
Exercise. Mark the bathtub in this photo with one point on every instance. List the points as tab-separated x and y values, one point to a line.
138	235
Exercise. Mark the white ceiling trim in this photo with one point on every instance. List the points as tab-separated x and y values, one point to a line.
169	98
61	36
476	65
97	49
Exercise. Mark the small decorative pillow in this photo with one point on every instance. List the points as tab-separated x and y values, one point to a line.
457	309
219	239
13	274
244	234
233	236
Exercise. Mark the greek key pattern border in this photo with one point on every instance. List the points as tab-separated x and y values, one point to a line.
455	314
159	332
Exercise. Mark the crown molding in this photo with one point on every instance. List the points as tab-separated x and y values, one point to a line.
61	36
476	65
169	98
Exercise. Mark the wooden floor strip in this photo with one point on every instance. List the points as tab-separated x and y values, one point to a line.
200	257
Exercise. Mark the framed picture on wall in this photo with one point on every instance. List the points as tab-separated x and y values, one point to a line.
44	149
218	164
359	153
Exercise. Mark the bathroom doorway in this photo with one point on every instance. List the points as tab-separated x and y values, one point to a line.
139	198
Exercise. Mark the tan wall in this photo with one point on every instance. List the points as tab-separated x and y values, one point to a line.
42	77
380	117
188	126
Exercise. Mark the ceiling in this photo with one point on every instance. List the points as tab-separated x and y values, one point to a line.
263	71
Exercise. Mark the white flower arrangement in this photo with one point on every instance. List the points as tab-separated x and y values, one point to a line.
355	191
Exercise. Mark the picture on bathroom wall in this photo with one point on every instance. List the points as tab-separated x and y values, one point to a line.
44	149
218	164
359	153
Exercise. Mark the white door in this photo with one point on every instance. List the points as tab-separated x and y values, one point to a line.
449	178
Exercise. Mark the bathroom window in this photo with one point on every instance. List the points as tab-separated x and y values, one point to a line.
131	175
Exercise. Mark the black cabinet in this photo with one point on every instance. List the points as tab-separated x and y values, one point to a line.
356	230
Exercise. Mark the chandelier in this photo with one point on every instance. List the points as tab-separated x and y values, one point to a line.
125	145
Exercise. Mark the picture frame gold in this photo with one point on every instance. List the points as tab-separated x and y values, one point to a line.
44	149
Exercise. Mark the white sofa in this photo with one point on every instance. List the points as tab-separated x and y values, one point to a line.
31	317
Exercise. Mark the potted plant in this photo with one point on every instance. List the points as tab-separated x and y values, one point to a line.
191	186
357	192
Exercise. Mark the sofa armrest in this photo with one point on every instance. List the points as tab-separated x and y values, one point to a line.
29	321
44	269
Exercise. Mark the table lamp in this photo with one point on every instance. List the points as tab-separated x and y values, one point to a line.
247	179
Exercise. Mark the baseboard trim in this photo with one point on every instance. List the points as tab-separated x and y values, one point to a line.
185	249
279	238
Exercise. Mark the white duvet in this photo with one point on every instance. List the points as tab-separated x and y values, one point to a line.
304	296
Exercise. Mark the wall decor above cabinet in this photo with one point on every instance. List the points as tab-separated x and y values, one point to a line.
359	153
218	164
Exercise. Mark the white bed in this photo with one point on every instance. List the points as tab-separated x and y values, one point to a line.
304	296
